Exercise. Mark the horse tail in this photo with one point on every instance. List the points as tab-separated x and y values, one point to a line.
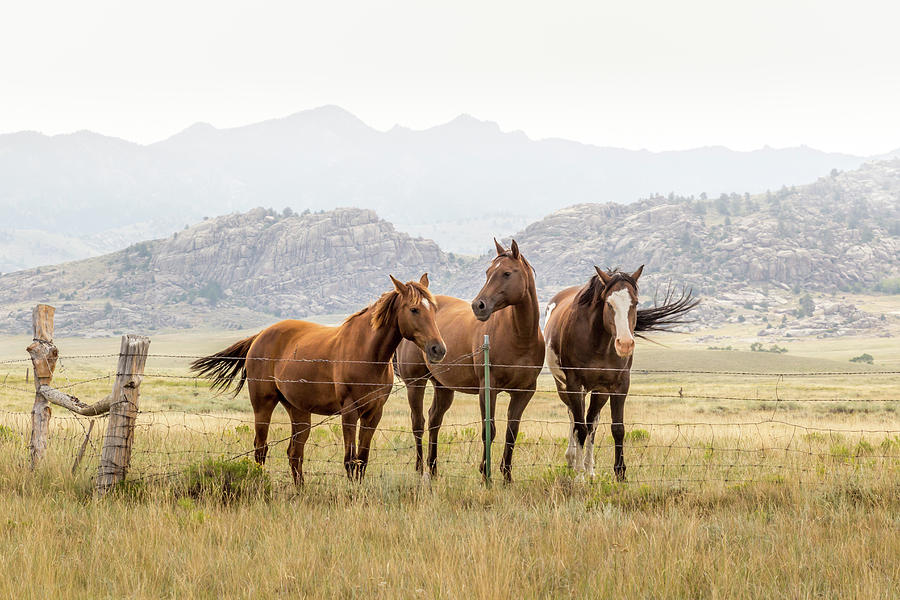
672	311
222	367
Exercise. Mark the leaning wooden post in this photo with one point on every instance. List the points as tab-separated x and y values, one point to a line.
115	457
43	358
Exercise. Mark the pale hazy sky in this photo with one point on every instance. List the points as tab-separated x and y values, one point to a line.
655	74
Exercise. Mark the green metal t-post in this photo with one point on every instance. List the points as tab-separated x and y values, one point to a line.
487	410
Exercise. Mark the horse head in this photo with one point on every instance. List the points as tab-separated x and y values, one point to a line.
509	282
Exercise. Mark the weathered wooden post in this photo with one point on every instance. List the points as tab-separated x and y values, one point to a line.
115	458
43	358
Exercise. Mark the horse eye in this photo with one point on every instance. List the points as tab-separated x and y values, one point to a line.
507	274
414	311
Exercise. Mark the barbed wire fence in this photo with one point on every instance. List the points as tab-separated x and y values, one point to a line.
757	441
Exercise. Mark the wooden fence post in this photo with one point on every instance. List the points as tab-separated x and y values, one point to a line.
115	457
43	358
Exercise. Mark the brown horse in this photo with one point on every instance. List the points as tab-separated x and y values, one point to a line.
345	370
590	334
507	310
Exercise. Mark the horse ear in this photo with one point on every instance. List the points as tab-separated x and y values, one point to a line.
424	279
399	285
500	249
637	273
602	275
514	249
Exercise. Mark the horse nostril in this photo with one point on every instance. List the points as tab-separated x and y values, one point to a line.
437	352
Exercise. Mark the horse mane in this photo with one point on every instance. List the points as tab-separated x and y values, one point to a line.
662	317
595	287
386	306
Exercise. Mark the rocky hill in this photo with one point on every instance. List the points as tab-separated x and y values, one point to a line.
748	256
839	234
232	271
446	182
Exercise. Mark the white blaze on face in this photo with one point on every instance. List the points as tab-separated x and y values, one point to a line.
426	304
620	302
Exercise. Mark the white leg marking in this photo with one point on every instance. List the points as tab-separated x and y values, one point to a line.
570	451
589	449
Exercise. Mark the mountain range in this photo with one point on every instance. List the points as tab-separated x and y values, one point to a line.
67	197
840	233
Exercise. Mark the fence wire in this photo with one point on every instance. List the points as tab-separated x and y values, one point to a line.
168	441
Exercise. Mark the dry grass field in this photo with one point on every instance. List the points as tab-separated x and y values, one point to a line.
738	486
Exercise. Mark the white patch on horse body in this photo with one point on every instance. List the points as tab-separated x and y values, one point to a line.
550	308
555	369
620	301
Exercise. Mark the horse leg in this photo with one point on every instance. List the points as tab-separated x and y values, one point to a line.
575	394
564	397
517	403
264	397
484	428
300	425
415	393
367	425
349	417
443	398
598	400
617	408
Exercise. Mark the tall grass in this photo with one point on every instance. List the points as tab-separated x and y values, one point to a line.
725	499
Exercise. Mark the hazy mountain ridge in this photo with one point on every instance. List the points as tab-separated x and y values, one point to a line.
85	184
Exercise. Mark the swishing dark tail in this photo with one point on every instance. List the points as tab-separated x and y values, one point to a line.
222	367
671	312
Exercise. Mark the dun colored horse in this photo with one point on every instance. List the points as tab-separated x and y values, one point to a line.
507	310
590	334
346	370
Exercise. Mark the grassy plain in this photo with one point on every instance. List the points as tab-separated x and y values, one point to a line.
739	486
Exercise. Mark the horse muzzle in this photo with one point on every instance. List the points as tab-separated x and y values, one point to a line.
436	351
482	309
624	348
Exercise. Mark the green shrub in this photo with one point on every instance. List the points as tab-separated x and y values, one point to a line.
135	490
840	451
774	348
637	435
227	480
864	448
8	435
864	358
891	285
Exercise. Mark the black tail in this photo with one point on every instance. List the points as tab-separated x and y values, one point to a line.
222	367
671	312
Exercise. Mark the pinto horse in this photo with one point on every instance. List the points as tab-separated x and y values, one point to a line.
507	310
590	333
346	370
